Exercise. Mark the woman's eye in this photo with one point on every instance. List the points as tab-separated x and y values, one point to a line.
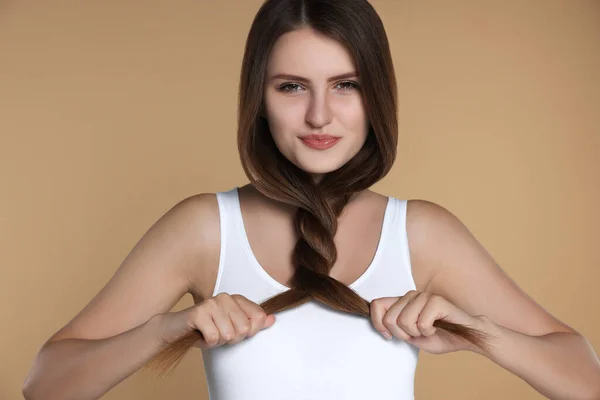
293	87
283	87
350	85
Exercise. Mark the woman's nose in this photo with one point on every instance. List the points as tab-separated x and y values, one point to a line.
319	112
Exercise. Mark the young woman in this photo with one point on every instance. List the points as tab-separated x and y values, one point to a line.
317	128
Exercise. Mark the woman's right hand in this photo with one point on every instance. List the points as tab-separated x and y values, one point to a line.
223	319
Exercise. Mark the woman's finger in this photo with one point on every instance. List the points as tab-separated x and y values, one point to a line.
433	310
409	315
390	319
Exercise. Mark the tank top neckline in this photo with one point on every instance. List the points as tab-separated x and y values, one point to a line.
254	261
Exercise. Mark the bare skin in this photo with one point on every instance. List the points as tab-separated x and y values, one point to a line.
269	226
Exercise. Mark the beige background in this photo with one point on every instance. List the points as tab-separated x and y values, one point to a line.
113	111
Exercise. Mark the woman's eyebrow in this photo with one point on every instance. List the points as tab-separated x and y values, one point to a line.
352	74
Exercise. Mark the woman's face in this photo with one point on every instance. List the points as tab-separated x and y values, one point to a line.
314	101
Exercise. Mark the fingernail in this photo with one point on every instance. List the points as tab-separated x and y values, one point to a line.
386	334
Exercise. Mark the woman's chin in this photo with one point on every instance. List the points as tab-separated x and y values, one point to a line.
319	170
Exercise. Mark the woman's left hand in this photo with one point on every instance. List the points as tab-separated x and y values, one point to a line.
410	318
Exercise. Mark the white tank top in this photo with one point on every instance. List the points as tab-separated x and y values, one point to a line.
312	351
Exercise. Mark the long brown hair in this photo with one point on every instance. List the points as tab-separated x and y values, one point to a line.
355	24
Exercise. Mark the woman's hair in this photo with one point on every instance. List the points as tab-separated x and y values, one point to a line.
355	24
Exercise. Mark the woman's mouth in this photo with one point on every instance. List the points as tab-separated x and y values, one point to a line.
320	144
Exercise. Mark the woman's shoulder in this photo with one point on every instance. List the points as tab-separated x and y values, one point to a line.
202	211
429	227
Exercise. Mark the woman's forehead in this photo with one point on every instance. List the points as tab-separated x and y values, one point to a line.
310	54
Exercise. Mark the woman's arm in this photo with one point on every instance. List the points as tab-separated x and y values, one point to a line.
88	368
534	345
119	330
559	365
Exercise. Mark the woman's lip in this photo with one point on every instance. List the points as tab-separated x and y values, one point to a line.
321	144
319	137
